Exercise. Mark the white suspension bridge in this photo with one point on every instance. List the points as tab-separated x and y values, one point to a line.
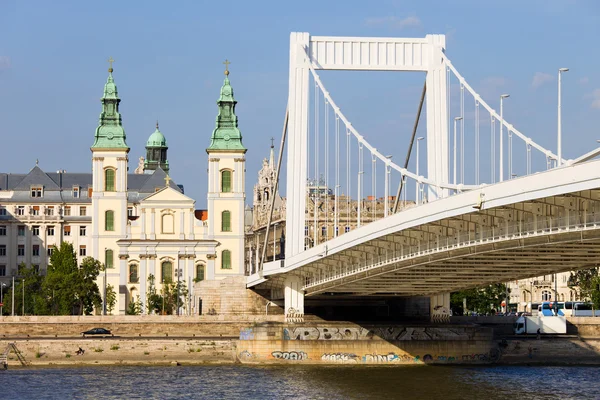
462	232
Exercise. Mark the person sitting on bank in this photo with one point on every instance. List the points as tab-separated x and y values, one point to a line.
80	352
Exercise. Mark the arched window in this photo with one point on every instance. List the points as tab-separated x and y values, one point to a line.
166	272
226	181
108	258
226	221
546	296
199	273
225	259
133	273
524	295
266	194
109	180
109	220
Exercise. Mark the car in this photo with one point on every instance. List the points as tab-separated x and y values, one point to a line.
97	331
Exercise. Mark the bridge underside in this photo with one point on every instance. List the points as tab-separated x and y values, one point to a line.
487	245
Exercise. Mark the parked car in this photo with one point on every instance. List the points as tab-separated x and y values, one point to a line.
97	331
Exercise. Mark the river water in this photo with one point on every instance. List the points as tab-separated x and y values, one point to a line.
302	382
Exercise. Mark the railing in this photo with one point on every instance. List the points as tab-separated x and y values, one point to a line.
543	226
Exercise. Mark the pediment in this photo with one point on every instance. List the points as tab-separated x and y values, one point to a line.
168	195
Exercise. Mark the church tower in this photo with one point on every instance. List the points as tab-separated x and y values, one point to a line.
226	183
109	188
156	152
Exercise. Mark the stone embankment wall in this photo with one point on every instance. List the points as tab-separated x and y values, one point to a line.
350	343
131	325
121	351
547	351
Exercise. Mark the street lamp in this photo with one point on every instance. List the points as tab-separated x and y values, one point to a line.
560	71
502	97
417	197
455	120
2	298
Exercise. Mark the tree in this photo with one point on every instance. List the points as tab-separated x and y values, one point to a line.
135	307
88	293
483	300
586	283
35	301
111	298
154	301
62	274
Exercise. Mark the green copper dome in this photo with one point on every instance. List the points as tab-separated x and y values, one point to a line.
110	133
157	139
226	136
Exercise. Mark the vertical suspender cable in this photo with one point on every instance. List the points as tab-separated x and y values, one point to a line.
360	174
412	140
274	194
336	205
326	109
315	184
348	176
477	142
462	133
493	146
373	186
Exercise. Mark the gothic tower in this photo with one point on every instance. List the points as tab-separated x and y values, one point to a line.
156	152
226	182
109	187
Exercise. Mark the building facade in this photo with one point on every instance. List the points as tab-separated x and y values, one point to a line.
138	224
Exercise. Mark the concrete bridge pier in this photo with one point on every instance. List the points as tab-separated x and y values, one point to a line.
439	307
294	299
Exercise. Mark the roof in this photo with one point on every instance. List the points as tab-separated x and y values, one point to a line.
58	186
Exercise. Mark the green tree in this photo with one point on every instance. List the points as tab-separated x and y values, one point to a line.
135	307
111	298
87	291
483	300
586	283
61	279
35	301
154	300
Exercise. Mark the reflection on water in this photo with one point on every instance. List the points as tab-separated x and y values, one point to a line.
302	382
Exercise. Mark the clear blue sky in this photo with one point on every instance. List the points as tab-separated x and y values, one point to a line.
169	67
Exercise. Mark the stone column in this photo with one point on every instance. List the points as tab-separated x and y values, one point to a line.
439	307
210	266
152	224
122	283
190	282
182	225
143	234
143	282
191	227
294	299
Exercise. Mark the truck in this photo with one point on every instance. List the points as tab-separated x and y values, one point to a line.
547	325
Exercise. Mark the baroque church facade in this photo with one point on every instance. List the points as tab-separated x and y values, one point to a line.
137	224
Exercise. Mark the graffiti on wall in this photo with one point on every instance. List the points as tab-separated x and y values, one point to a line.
340	357
290	355
385	333
246	334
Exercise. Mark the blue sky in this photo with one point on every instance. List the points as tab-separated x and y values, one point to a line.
169	67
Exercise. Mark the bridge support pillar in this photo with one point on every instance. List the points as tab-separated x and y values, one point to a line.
439	307
294	299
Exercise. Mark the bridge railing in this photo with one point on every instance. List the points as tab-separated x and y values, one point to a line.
542	226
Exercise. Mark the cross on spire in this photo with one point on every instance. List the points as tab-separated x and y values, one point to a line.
167	180
226	62
110	61
272	142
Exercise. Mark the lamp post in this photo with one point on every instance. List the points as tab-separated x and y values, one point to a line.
456	119
502	97
274	236
2	298
560	71
104	305
417	195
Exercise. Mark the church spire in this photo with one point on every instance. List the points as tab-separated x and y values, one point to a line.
156	152
110	133
272	155
226	136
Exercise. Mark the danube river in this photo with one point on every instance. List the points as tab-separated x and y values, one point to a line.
302	382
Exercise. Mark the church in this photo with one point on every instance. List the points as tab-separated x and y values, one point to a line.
137	224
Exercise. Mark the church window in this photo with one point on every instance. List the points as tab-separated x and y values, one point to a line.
226	259
168	223
166	272
226	221
108	258
109	180
133	273
226	181
109	220
199	273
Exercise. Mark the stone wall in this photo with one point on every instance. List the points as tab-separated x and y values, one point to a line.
131	325
546	351
349	343
119	351
229	296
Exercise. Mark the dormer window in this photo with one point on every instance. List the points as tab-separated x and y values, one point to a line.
75	192
36	191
